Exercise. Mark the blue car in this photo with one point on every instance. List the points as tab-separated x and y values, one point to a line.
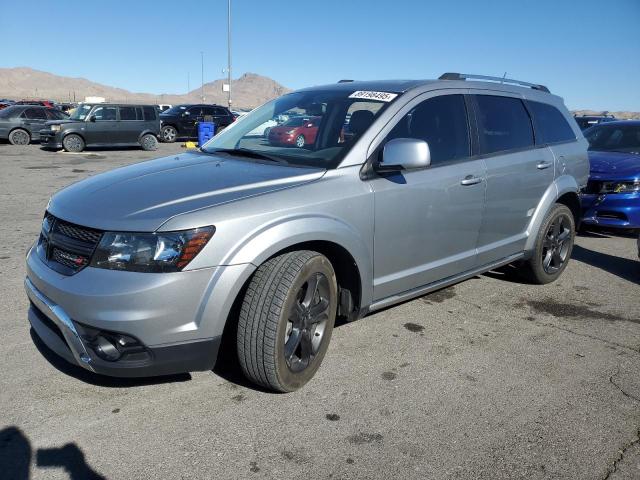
612	196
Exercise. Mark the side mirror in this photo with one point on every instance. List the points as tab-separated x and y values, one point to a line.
92	118
404	154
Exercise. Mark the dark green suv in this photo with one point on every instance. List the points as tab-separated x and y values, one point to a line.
102	125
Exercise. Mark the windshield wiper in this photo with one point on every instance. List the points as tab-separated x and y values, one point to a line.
245	152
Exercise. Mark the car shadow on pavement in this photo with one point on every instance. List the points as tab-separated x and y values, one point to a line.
100	380
16	456
622	267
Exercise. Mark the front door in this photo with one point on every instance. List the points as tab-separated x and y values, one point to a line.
102	125
427	221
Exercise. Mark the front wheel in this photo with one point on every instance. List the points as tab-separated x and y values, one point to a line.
286	320
73	143
169	134
300	141
553	246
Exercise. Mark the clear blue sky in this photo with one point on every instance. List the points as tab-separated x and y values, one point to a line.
587	51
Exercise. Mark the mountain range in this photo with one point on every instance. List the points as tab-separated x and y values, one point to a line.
248	91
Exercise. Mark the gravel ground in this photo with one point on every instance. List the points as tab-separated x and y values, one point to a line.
487	379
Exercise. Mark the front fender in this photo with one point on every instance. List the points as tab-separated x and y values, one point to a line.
561	185
269	239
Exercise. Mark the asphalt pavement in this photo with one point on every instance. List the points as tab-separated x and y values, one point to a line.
488	379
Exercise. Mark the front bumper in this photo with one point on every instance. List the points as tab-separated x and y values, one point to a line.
178	318
50	139
616	210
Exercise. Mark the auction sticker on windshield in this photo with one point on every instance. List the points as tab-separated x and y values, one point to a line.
369	95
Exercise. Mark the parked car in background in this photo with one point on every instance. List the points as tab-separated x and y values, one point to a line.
147	269
612	196
21	124
5	105
42	103
297	131
66	107
104	125
588	121
181	121
164	107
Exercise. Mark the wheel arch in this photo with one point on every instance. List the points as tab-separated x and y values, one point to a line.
23	128
147	132
564	189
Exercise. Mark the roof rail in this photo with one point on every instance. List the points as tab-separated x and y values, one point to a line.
470	76
344	80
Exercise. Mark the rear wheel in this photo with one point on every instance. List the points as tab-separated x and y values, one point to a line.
286	320
149	142
300	141
169	134
19	137
73	143
553	247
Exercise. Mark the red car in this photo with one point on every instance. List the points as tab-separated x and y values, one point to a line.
42	103
298	131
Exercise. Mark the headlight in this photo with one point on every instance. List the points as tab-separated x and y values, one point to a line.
150	252
290	132
55	128
620	187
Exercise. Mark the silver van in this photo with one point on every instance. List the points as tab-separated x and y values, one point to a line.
398	189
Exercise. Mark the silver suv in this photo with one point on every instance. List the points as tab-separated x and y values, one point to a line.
369	194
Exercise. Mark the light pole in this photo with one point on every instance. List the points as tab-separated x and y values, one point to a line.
202	76
229	51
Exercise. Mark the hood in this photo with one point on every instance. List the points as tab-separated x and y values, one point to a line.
143	196
614	165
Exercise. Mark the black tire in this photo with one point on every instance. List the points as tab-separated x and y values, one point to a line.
19	136
300	141
553	247
149	142
169	134
73	143
280	342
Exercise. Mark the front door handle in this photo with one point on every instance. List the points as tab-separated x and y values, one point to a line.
543	165
470	180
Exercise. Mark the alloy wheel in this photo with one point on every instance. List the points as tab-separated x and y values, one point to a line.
556	244
306	322
20	137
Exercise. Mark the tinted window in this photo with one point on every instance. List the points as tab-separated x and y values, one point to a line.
503	124
35	114
210	111
130	113
195	111
105	113
11	112
219	111
149	113
550	124
442	123
54	114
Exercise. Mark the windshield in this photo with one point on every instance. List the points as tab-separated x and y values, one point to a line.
81	112
614	138
309	128
177	110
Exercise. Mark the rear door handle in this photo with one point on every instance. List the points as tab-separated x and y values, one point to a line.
470	180
543	165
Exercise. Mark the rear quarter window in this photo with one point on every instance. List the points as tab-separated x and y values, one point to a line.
503	124
550	124
149	113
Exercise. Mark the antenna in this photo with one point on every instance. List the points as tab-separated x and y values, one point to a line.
503	77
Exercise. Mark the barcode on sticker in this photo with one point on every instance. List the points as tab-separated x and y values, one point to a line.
369	95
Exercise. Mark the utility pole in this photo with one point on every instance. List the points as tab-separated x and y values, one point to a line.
202	73
229	51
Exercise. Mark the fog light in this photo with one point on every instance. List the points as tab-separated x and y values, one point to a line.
105	349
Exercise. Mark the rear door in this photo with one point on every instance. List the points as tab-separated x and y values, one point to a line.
131	124
34	120
518	173
189	120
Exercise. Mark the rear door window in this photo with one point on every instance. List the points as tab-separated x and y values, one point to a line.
550	125
130	113
441	122
503	124
35	114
